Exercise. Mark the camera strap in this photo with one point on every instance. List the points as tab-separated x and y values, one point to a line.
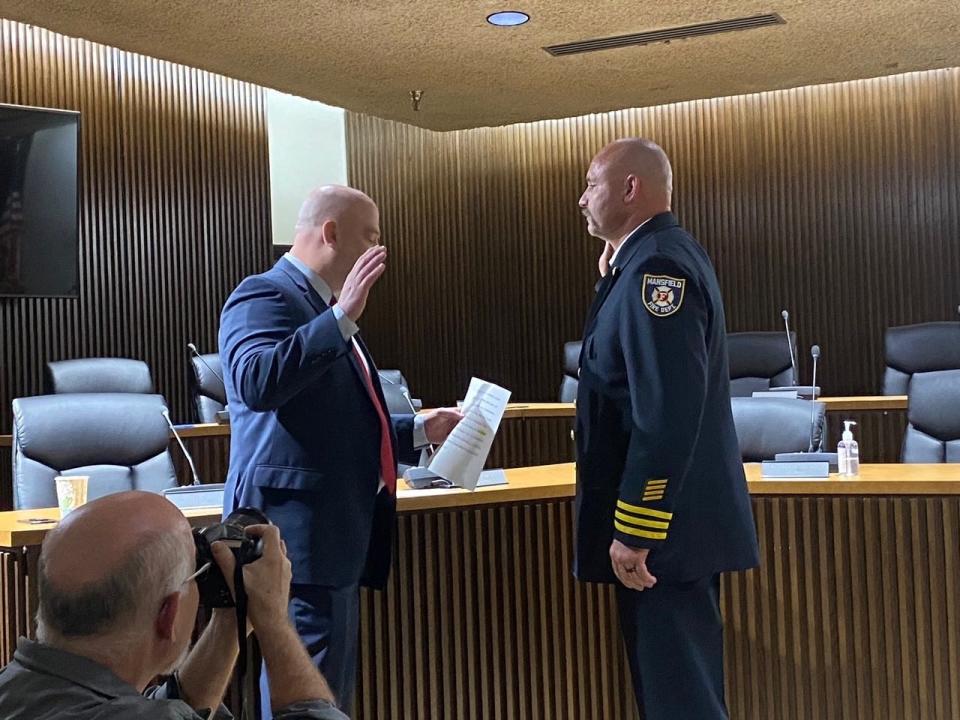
240	593
240	599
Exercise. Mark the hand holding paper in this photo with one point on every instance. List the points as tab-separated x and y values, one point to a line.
461	458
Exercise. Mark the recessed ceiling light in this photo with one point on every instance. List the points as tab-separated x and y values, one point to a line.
508	18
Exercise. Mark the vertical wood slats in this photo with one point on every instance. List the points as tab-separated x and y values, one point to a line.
174	209
853	614
839	202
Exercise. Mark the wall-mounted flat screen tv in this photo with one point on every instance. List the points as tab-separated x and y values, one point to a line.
38	202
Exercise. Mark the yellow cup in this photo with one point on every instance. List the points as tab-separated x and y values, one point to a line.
71	492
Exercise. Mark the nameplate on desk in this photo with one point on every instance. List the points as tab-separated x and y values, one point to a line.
774	469
195	496
806	457
788	394
488	478
223	416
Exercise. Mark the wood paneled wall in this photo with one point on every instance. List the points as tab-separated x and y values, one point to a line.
174	208
840	203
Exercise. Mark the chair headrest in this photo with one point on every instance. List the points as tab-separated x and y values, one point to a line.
924	347
98	375
571	357
758	354
767	426
207	382
935	403
90	428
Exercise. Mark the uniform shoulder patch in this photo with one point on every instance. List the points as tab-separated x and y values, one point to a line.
662	294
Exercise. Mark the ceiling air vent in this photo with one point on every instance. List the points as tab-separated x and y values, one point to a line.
666	35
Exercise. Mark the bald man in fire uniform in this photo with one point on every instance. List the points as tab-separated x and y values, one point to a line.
662	505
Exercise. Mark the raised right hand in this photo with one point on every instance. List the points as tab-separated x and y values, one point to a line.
356	288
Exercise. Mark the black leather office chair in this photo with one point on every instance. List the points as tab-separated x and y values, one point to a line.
759	361
910	349
97	375
120	440
209	395
933	429
571	371
767	426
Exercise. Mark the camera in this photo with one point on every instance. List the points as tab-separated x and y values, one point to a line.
214	592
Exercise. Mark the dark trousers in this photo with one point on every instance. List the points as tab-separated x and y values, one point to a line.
328	622
674	640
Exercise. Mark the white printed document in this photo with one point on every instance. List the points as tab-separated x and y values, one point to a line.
461	457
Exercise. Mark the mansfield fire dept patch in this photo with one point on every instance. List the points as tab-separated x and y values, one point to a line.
662	294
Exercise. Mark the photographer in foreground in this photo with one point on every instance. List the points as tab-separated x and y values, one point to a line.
118	603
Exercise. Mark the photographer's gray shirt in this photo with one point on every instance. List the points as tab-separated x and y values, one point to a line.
43	683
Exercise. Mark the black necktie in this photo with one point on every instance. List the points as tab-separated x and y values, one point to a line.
603	289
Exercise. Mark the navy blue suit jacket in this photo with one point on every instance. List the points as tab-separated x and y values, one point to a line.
658	463
305	436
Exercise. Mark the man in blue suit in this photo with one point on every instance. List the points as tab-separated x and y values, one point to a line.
312	443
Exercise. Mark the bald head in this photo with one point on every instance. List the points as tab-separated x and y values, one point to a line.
108	563
96	538
629	181
332	203
336	225
640	157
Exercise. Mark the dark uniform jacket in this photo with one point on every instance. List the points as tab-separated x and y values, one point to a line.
658	464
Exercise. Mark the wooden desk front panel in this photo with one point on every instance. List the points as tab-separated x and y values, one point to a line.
855	613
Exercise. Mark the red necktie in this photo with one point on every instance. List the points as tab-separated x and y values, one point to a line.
388	468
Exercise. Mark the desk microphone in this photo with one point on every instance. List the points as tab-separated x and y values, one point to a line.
813	462
193	469
193	348
815	354
793	357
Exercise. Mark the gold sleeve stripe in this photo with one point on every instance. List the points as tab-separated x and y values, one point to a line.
651	497
655	524
637	510
654	483
639	533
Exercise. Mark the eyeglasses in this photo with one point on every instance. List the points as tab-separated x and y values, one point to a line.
200	571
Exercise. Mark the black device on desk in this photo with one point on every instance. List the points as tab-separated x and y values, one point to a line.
802	391
422	478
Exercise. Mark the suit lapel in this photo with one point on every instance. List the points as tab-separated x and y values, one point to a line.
603	290
309	294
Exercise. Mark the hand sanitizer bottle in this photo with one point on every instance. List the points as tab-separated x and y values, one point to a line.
848	453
